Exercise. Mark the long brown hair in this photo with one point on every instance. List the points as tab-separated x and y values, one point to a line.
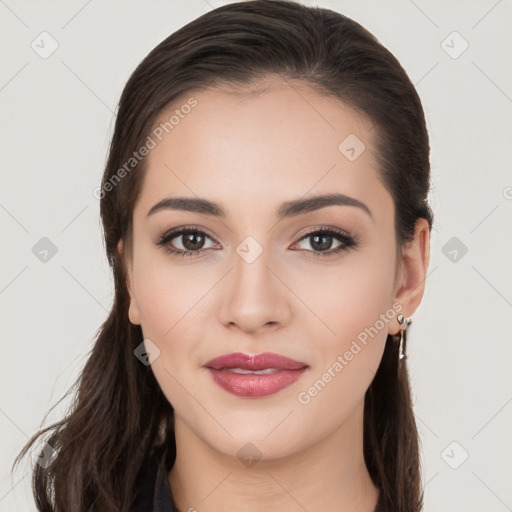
119	415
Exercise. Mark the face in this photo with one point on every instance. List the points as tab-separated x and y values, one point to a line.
314	284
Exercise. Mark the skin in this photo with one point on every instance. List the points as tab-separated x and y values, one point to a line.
250	153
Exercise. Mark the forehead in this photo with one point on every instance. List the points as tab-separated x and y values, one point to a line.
278	141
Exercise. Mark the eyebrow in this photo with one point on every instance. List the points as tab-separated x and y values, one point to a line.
287	209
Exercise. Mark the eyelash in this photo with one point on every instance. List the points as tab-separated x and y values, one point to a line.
349	241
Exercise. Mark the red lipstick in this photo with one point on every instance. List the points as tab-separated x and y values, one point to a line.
254	376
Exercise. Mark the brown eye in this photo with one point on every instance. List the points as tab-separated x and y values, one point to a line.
321	240
192	241
184	241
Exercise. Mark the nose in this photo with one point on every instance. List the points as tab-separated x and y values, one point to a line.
254	298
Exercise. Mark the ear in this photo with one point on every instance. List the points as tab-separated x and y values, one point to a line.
133	311
410	283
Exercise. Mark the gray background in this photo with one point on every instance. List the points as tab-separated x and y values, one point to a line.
57	122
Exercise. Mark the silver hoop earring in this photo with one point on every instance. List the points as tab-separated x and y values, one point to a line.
404	323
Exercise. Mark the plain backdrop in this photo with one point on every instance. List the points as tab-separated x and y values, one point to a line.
57	120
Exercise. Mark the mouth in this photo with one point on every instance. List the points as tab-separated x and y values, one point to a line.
255	376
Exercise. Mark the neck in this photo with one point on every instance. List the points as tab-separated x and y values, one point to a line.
330	476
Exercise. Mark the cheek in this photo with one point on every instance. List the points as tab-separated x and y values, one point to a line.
353	312
174	302
169	297
345	362
350	298
169	301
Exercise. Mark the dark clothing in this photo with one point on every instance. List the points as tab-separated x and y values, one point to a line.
154	494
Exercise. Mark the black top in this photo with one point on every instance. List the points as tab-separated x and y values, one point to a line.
154	493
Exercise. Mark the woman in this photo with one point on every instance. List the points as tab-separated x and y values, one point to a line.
265	213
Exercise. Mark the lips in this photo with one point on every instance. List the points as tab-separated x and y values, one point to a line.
257	362
255	376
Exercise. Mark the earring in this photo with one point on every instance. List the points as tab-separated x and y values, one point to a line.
404	323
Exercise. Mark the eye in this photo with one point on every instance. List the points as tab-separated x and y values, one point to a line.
191	239
322	239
